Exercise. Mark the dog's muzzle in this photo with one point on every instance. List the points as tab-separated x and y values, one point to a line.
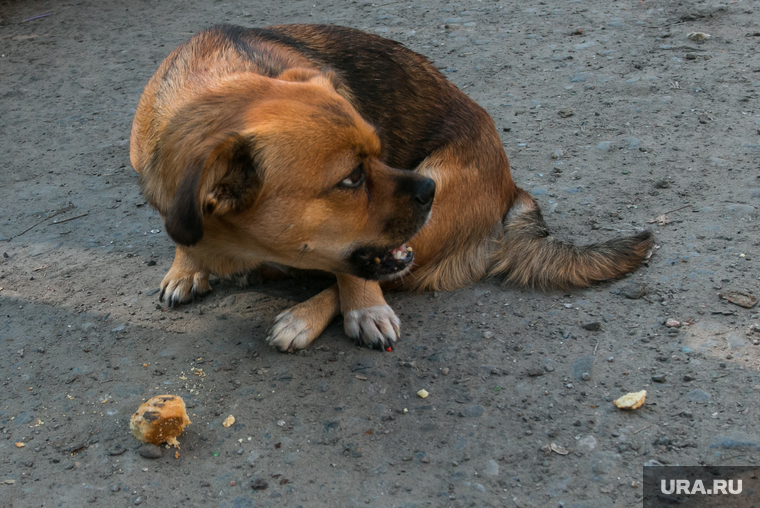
381	264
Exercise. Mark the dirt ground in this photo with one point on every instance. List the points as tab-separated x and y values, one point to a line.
611	117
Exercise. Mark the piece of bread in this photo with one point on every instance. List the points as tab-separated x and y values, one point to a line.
631	400
160	420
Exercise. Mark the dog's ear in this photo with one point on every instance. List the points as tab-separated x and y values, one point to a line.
226	180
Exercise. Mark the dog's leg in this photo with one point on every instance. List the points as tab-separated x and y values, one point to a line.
367	318
298	326
184	281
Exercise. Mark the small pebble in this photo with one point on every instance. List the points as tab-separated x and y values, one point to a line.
688	377
138	501
150	451
635	291
592	327
586	376
232	483
662	184
259	484
117	450
445	371
659	378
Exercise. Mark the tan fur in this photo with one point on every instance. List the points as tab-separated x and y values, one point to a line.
529	256
319	148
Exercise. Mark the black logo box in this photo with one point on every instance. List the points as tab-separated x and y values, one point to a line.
707	487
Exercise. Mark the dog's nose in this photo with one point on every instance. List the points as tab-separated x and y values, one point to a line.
425	192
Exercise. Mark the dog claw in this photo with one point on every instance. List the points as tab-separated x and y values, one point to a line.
375	327
289	333
178	290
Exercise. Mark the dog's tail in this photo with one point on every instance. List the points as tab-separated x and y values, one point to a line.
527	255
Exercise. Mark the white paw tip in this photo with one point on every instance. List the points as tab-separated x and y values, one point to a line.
373	325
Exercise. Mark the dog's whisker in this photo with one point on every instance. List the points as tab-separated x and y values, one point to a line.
304	250
269	249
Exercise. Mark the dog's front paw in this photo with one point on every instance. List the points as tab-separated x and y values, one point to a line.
290	333
181	286
374	327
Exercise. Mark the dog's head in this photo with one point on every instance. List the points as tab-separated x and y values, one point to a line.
285	170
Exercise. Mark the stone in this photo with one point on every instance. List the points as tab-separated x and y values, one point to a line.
117	450
150	451
698	395
583	365
259	484
635	291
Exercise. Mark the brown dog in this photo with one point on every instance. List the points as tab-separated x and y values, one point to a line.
322	148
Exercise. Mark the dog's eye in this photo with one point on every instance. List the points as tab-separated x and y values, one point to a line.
355	179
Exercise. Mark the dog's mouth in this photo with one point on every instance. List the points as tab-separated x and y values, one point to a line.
382	264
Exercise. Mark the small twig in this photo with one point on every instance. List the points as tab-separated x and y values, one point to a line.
37	17
70	218
642	428
596	347
59	212
678	48
677	209
28	229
